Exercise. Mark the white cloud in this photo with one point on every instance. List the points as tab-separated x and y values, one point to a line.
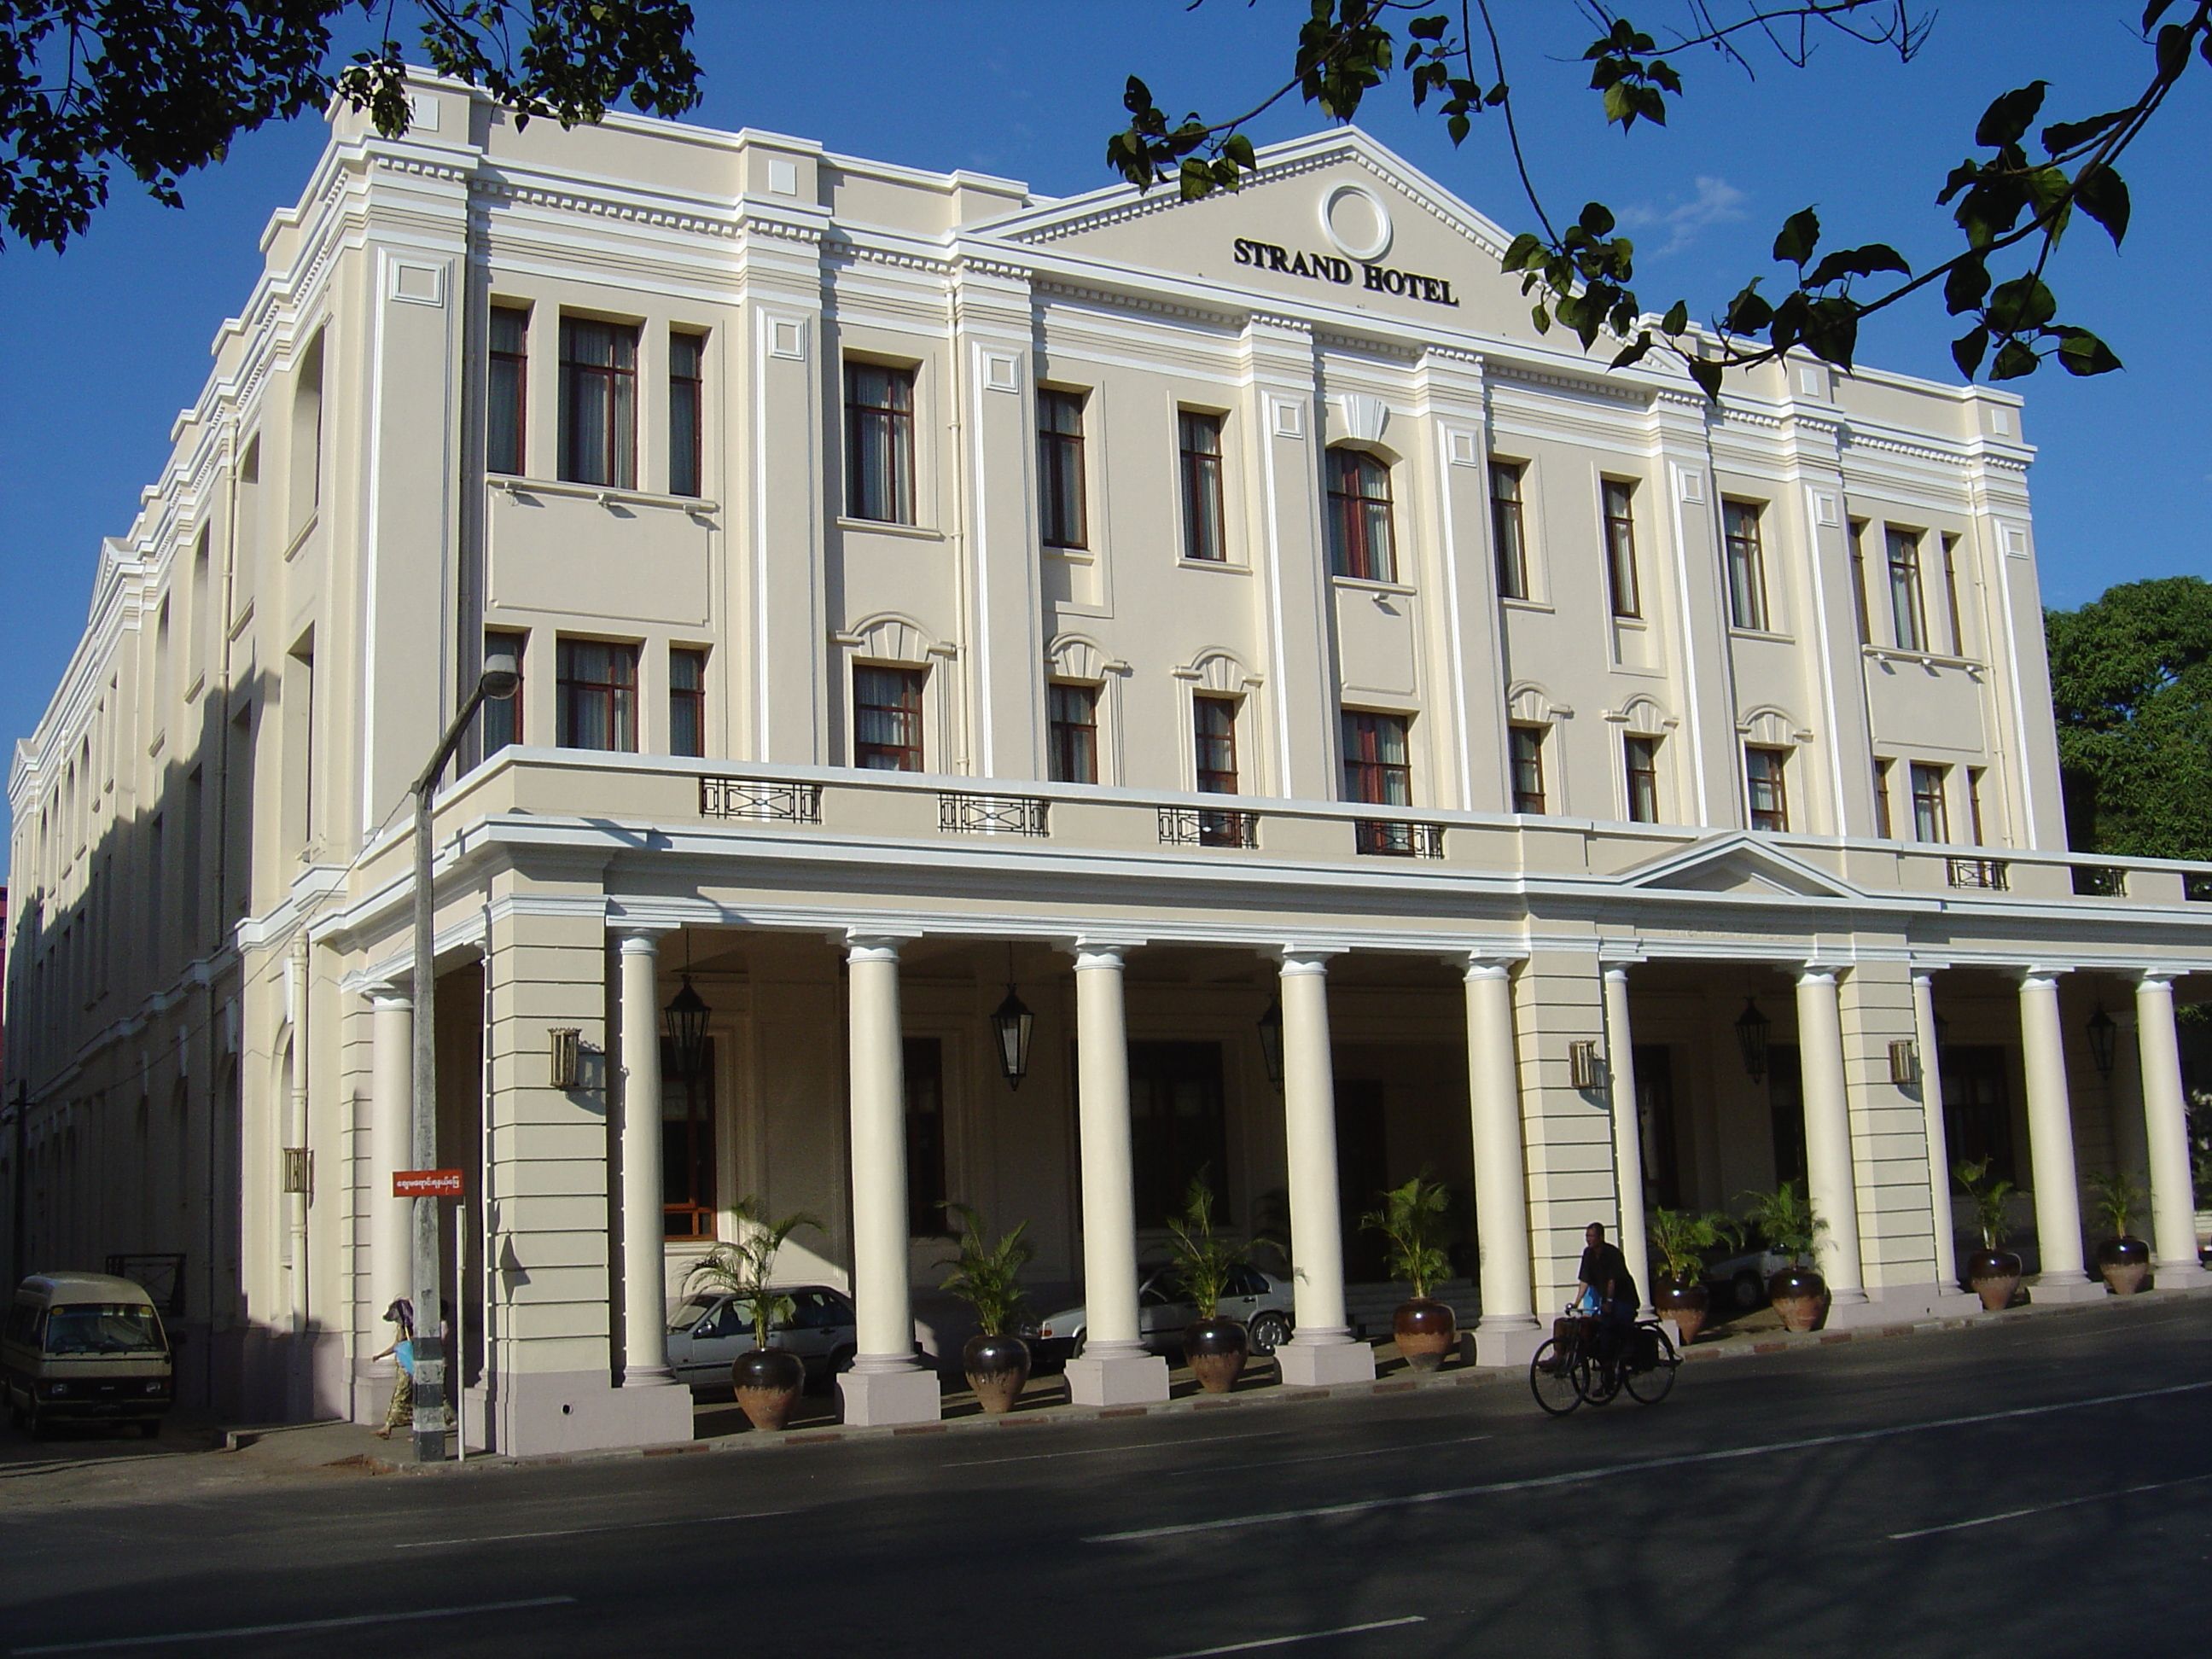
1717	202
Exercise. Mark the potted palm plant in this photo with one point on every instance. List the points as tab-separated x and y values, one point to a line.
1410	1220
1679	1241
2123	1258
987	1277
1993	1272
1201	1261
768	1380
1784	1218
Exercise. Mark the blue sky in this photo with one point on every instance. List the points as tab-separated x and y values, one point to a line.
106	342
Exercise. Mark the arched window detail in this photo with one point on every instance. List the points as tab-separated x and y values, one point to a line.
1360	540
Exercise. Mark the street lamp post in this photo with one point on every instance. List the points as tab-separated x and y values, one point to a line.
499	679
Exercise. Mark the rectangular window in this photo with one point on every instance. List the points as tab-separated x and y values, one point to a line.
502	716
686	1145
1205	528
596	696
687	701
1642	754
1931	821
506	394
1769	795
1884	825
879	443
1508	531
1907	618
1978	1107
1951	596
598	403
1060	469
1359	539
1377	770
1178	1126
1074	733
1214	725
1974	805
887	719
1858	581
1746	565
926	1215
1528	758
687	411
1620	549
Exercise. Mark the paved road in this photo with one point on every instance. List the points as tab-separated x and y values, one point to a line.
2042	1486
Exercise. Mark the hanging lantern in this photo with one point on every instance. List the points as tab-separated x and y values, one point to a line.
684	1021
1751	1029
1271	1040
2102	1032
1011	1023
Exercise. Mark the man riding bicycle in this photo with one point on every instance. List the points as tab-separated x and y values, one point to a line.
1604	1273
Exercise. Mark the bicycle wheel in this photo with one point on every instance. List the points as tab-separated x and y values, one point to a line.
1653	1386
1599	1382
1552	1380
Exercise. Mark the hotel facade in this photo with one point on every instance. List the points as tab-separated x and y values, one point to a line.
1364	737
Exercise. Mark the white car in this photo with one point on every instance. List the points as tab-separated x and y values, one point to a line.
708	1331
1739	1282
1260	1300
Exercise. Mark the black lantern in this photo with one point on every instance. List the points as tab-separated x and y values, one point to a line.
2102	1031
684	1021
1271	1040
1010	1024
1751	1029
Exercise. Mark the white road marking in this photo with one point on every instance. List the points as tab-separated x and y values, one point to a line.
2045	1509
1108	1451
574	1532
1337	1457
1309	1636
1579	1476
304	1624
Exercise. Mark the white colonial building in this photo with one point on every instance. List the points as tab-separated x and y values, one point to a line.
1369	737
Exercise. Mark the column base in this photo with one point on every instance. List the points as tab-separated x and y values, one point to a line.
652	1416
2181	1275
1508	1344
2048	1288
1117	1379
874	1398
1324	1365
648	1376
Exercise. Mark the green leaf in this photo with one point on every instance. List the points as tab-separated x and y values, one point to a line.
1857	262
1541	318
1964	288
2065	135
1968	348
1428	29
1962	176
2014	359
1458	126
2103	195
2153	12
1632	352
1707	374
1526	248
1747	313
2022	304
1801	234
1597	219
2080	352
1136	97
1238	148
1676	319
2006	119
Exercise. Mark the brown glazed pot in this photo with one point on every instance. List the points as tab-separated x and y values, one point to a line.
2124	1261
768	1381
1800	1296
1995	1275
1424	1329
1216	1349
997	1367
1688	1305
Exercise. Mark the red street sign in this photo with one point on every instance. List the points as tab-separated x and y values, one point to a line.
426	1183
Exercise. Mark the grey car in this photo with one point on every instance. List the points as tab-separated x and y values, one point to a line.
1261	1300
708	1331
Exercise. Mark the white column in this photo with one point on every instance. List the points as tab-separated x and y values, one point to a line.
1829	1179
1635	1240
392	1049
1507	1332
644	1222
1323	1350
2051	1145
1939	1146
883	1385
1113	1368
2166	1133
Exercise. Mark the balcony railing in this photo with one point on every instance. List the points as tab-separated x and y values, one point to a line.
1197	826
991	814
1383	839
1977	873
760	798
2100	881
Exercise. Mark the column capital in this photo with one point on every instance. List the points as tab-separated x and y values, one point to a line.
1923	972
1483	964
390	993
1099	955
640	938
2161	977
864	945
2029	973
1298	959
1818	973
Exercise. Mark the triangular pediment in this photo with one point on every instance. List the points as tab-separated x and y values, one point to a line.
1738	864
1333	219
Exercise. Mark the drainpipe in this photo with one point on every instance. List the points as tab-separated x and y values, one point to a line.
299	1171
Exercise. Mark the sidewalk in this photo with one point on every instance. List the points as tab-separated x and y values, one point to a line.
195	1460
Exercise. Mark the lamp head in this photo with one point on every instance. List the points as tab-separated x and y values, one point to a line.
502	677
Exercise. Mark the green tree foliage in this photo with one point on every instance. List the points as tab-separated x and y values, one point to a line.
2012	199
2131	686
158	88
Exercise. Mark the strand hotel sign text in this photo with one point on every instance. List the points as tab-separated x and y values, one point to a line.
1329	268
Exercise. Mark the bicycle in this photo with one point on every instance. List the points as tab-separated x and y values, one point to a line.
1567	1371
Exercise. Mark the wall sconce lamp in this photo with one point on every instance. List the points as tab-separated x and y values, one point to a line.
1011	1022
2102	1033
1751	1029
1585	1066
564	1045
1905	1062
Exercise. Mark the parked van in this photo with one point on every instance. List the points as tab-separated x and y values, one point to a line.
84	1348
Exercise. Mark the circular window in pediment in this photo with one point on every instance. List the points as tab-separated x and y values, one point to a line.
1353	218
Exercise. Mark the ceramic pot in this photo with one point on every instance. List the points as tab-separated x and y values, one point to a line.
1426	1330
768	1381
1688	1305
1216	1349
997	1367
1800	1296
2124	1261
1995	1275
